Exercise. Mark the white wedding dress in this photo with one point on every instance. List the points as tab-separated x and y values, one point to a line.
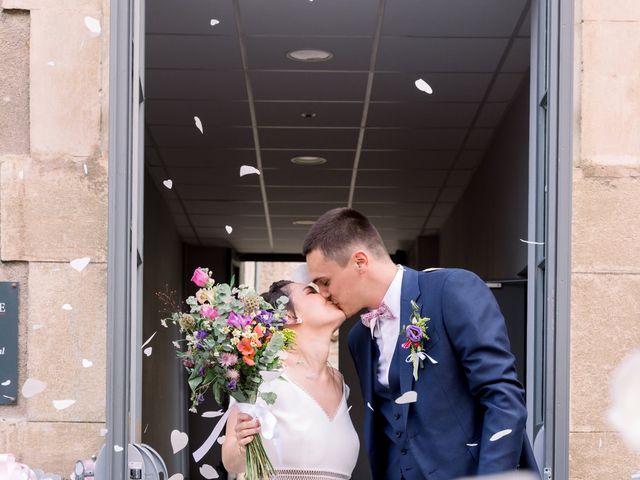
309	444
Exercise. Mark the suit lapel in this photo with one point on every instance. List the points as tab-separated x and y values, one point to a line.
410	291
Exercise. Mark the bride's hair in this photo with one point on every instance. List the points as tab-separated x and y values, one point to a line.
277	290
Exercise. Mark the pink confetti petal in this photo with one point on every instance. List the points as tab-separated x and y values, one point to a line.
198	124
32	387
407	397
168	183
208	472
179	440
248	170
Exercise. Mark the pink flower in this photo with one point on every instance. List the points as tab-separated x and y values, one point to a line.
208	311
233	374
200	277
228	359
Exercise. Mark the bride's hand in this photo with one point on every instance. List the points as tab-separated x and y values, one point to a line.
246	428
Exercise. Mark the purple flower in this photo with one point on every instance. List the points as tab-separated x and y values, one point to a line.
200	334
232	385
265	316
200	398
201	372
414	333
237	321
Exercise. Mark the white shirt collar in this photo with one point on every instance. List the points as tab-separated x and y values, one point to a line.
392	297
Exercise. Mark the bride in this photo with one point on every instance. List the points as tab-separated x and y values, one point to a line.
315	438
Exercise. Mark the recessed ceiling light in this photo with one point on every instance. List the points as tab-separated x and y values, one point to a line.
423	86
309	55
308	115
304	222
308	160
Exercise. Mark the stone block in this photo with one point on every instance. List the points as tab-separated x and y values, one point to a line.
610	10
14	82
66	338
66	83
610	119
52	447
604	329
600	456
51	210
605	227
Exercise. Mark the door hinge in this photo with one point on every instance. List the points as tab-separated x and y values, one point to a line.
546	474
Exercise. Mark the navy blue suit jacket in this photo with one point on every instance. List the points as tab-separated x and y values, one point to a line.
470	394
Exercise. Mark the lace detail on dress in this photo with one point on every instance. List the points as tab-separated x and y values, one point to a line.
300	474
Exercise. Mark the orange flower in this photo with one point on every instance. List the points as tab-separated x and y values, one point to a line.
258	331
249	360
244	347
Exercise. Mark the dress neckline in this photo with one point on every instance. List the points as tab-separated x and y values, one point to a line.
331	418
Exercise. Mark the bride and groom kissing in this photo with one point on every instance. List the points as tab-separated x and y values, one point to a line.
443	400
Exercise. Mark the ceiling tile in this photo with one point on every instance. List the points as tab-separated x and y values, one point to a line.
399	178
479	138
175	16
308	138
408	159
525	30
221	192
414	54
459	178
190	157
309	211
436	222
210	112
239	207
223	175
414	139
443	209
399	208
308	85
322	193
183	136
492	18
327	114
410	194
421	114
195	84
328	17
506	86
293	176
470	159
491	114
270	53
192	51
451	194
519	57
447	87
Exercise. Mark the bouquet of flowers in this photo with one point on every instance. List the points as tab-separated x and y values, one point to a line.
233	338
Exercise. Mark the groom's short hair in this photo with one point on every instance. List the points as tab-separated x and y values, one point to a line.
337	231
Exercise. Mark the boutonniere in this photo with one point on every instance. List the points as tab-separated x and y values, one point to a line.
416	333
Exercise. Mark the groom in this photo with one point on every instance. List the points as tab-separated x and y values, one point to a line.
469	416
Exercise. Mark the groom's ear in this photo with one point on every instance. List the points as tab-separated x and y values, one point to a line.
361	261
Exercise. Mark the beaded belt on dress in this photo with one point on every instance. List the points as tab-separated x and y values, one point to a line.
300	474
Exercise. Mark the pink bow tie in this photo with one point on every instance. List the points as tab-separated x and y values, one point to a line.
370	319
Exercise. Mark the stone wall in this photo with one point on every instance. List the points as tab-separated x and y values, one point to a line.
53	209
605	280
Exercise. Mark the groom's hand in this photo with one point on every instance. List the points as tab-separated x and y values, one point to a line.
246	428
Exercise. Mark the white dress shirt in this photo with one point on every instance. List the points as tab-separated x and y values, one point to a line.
386	331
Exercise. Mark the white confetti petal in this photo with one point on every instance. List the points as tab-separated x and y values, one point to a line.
229	229
10	398
531	242
66	306
407	397
6	99
21	174
87	363
500	434
350	407
149	339
117	448
32	387
214	22
212	414
423	86
62	404
80	264
103	432
37	326
176	476
221	439
198	124
145	428
431	359
93	25
168	183
623	413
148	351
51	63
472	444
207	471
248	170
6	383
179	440
86	170
370	407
